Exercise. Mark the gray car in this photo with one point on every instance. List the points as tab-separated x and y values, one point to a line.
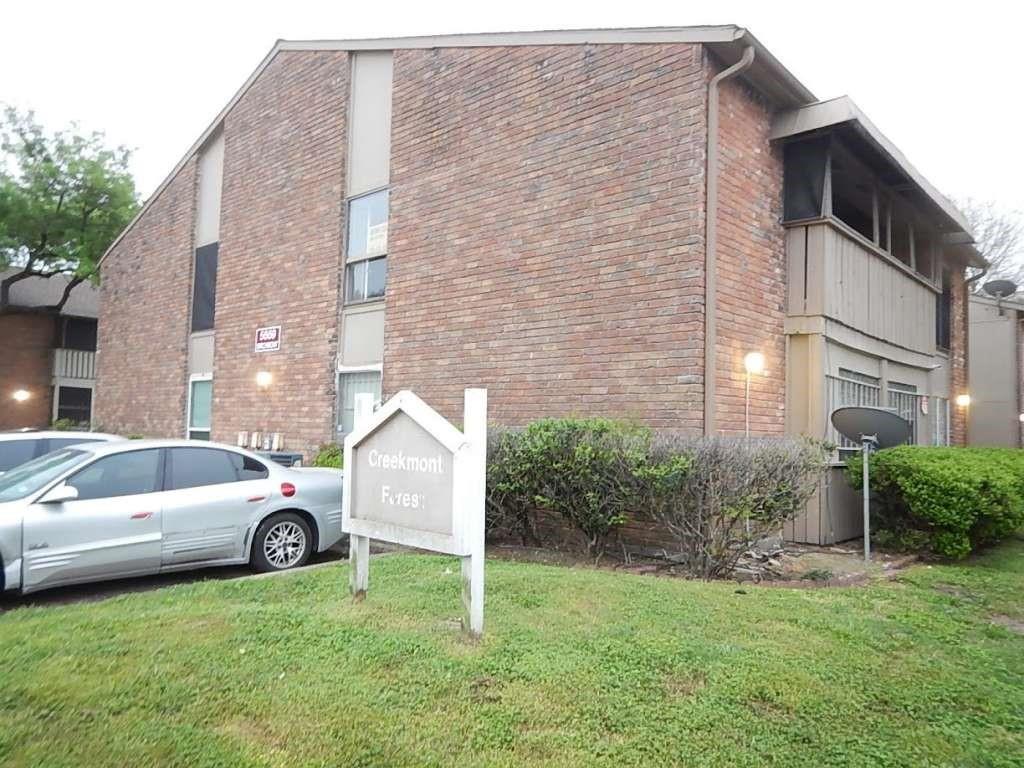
110	510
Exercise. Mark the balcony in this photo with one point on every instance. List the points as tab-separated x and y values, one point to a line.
74	364
837	274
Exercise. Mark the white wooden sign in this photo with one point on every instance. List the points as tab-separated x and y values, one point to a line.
412	478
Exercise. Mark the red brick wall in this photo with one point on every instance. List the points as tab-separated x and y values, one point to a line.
28	341
546	232
280	250
144	321
751	262
958	359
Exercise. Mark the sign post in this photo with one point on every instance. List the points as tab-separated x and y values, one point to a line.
412	478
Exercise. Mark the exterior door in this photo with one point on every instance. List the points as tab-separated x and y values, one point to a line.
212	496
111	530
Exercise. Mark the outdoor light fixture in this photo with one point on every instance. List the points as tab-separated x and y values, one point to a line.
264	379
1021	417
963	400
753	362
21	395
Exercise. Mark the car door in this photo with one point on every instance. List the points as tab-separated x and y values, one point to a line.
212	496
111	530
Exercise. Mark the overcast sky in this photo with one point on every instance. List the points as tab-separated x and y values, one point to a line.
942	80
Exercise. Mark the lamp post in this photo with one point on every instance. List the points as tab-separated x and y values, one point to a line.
753	362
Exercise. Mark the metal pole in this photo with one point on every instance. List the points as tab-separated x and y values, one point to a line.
865	449
746	407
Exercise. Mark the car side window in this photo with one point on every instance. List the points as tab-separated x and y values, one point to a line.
15	452
120	474
195	467
247	468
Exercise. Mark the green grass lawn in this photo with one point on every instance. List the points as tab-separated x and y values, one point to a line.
578	667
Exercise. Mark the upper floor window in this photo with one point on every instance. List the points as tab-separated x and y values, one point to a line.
204	288
804	178
367	248
78	333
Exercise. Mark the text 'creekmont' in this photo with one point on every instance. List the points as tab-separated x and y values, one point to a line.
400	461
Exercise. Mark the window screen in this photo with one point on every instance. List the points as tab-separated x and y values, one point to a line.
350	385
123	474
74	403
79	333
194	467
204	292
804	178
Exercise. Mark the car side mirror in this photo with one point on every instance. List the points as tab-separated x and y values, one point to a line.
59	494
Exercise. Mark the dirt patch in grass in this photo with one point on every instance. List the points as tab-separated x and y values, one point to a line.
1014	625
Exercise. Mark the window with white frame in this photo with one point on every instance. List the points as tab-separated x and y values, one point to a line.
849	388
367	250
200	406
350	384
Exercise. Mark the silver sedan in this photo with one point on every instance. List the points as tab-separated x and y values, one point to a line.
111	510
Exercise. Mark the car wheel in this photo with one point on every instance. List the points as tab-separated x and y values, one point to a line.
282	541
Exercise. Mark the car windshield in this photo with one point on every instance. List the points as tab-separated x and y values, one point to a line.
33	475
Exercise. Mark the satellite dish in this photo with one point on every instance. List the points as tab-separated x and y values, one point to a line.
885	428
872	428
1000	288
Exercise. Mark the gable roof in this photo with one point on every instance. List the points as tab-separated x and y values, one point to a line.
726	42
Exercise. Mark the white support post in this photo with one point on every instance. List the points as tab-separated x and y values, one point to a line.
359	546
475	430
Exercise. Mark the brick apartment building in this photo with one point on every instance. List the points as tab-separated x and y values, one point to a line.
47	370
584	222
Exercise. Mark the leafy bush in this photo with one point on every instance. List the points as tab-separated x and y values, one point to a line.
330	455
947	501
715	495
581	469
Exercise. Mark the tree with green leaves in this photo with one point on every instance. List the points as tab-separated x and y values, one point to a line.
64	197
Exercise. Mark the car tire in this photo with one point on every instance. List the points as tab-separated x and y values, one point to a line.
282	541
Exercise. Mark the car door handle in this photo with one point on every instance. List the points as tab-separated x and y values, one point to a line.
142	515
253	499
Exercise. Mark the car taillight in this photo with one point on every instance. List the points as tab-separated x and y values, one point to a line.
287	489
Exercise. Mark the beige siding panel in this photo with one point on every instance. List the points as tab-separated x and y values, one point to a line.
859	288
796	253
362	337
200	353
211	178
370	122
816	271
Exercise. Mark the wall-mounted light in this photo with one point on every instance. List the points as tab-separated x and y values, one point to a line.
264	379
21	395
963	400
753	362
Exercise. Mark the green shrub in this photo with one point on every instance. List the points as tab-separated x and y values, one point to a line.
948	501
581	469
65	425
713	495
330	455
716	495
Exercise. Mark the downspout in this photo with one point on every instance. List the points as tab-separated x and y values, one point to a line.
711	237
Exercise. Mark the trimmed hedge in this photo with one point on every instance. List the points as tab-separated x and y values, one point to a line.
948	501
714	495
